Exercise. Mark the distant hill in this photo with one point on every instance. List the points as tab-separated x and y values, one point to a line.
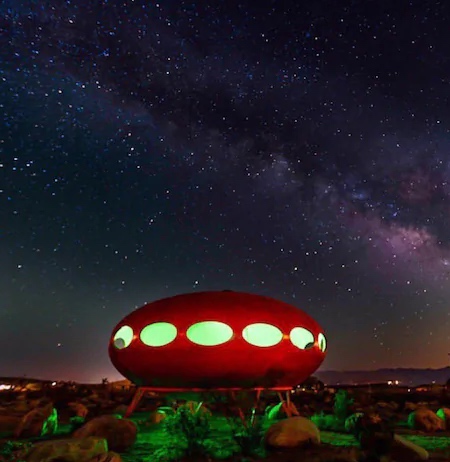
405	376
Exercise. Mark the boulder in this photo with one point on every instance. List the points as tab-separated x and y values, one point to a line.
121	409
410	406
444	414
426	420
403	449
107	457
38	422
79	409
9	423
69	450
120	433
292	432
157	417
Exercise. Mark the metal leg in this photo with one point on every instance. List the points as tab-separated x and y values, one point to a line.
255	406
287	405
135	401
240	411
293	410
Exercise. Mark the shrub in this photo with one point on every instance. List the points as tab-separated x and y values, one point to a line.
411	422
327	422
10	451
187	432
342	403
375	437
248	437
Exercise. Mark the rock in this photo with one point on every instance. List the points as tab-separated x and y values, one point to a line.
426	420
410	406
38	422
444	414
402	449
108	457
121	409
69	450
120	433
292	432
157	417
79	409
8	423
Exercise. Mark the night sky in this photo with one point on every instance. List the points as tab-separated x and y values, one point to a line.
299	150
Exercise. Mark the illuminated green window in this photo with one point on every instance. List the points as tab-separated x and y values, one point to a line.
322	342
302	338
209	333
158	334
262	335
123	337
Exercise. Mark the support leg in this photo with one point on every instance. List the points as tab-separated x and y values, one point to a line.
134	402
255	407
239	409
291	405
287	405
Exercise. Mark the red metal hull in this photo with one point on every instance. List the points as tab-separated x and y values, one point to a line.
233	364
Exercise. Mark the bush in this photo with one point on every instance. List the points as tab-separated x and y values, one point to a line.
248	437
187	432
342	403
327	422
9	450
375	437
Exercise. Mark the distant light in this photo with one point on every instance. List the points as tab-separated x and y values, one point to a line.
4	386
53	384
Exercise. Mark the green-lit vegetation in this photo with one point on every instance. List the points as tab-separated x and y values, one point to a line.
200	427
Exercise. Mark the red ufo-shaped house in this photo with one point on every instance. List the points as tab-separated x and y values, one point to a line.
217	340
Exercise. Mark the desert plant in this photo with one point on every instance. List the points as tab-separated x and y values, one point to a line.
327	422
375	437
168	410
248	436
273	411
12	451
352	421
411	422
50	426
191	429
342	403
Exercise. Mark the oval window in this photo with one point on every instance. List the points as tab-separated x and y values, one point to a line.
123	337
302	338
262	335
322	342
209	333
158	334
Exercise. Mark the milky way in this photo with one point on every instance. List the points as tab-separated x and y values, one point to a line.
297	151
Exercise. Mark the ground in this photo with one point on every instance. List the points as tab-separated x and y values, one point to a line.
152	437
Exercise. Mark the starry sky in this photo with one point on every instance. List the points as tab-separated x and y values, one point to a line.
298	150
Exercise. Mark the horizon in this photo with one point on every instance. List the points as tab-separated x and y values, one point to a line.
117	378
